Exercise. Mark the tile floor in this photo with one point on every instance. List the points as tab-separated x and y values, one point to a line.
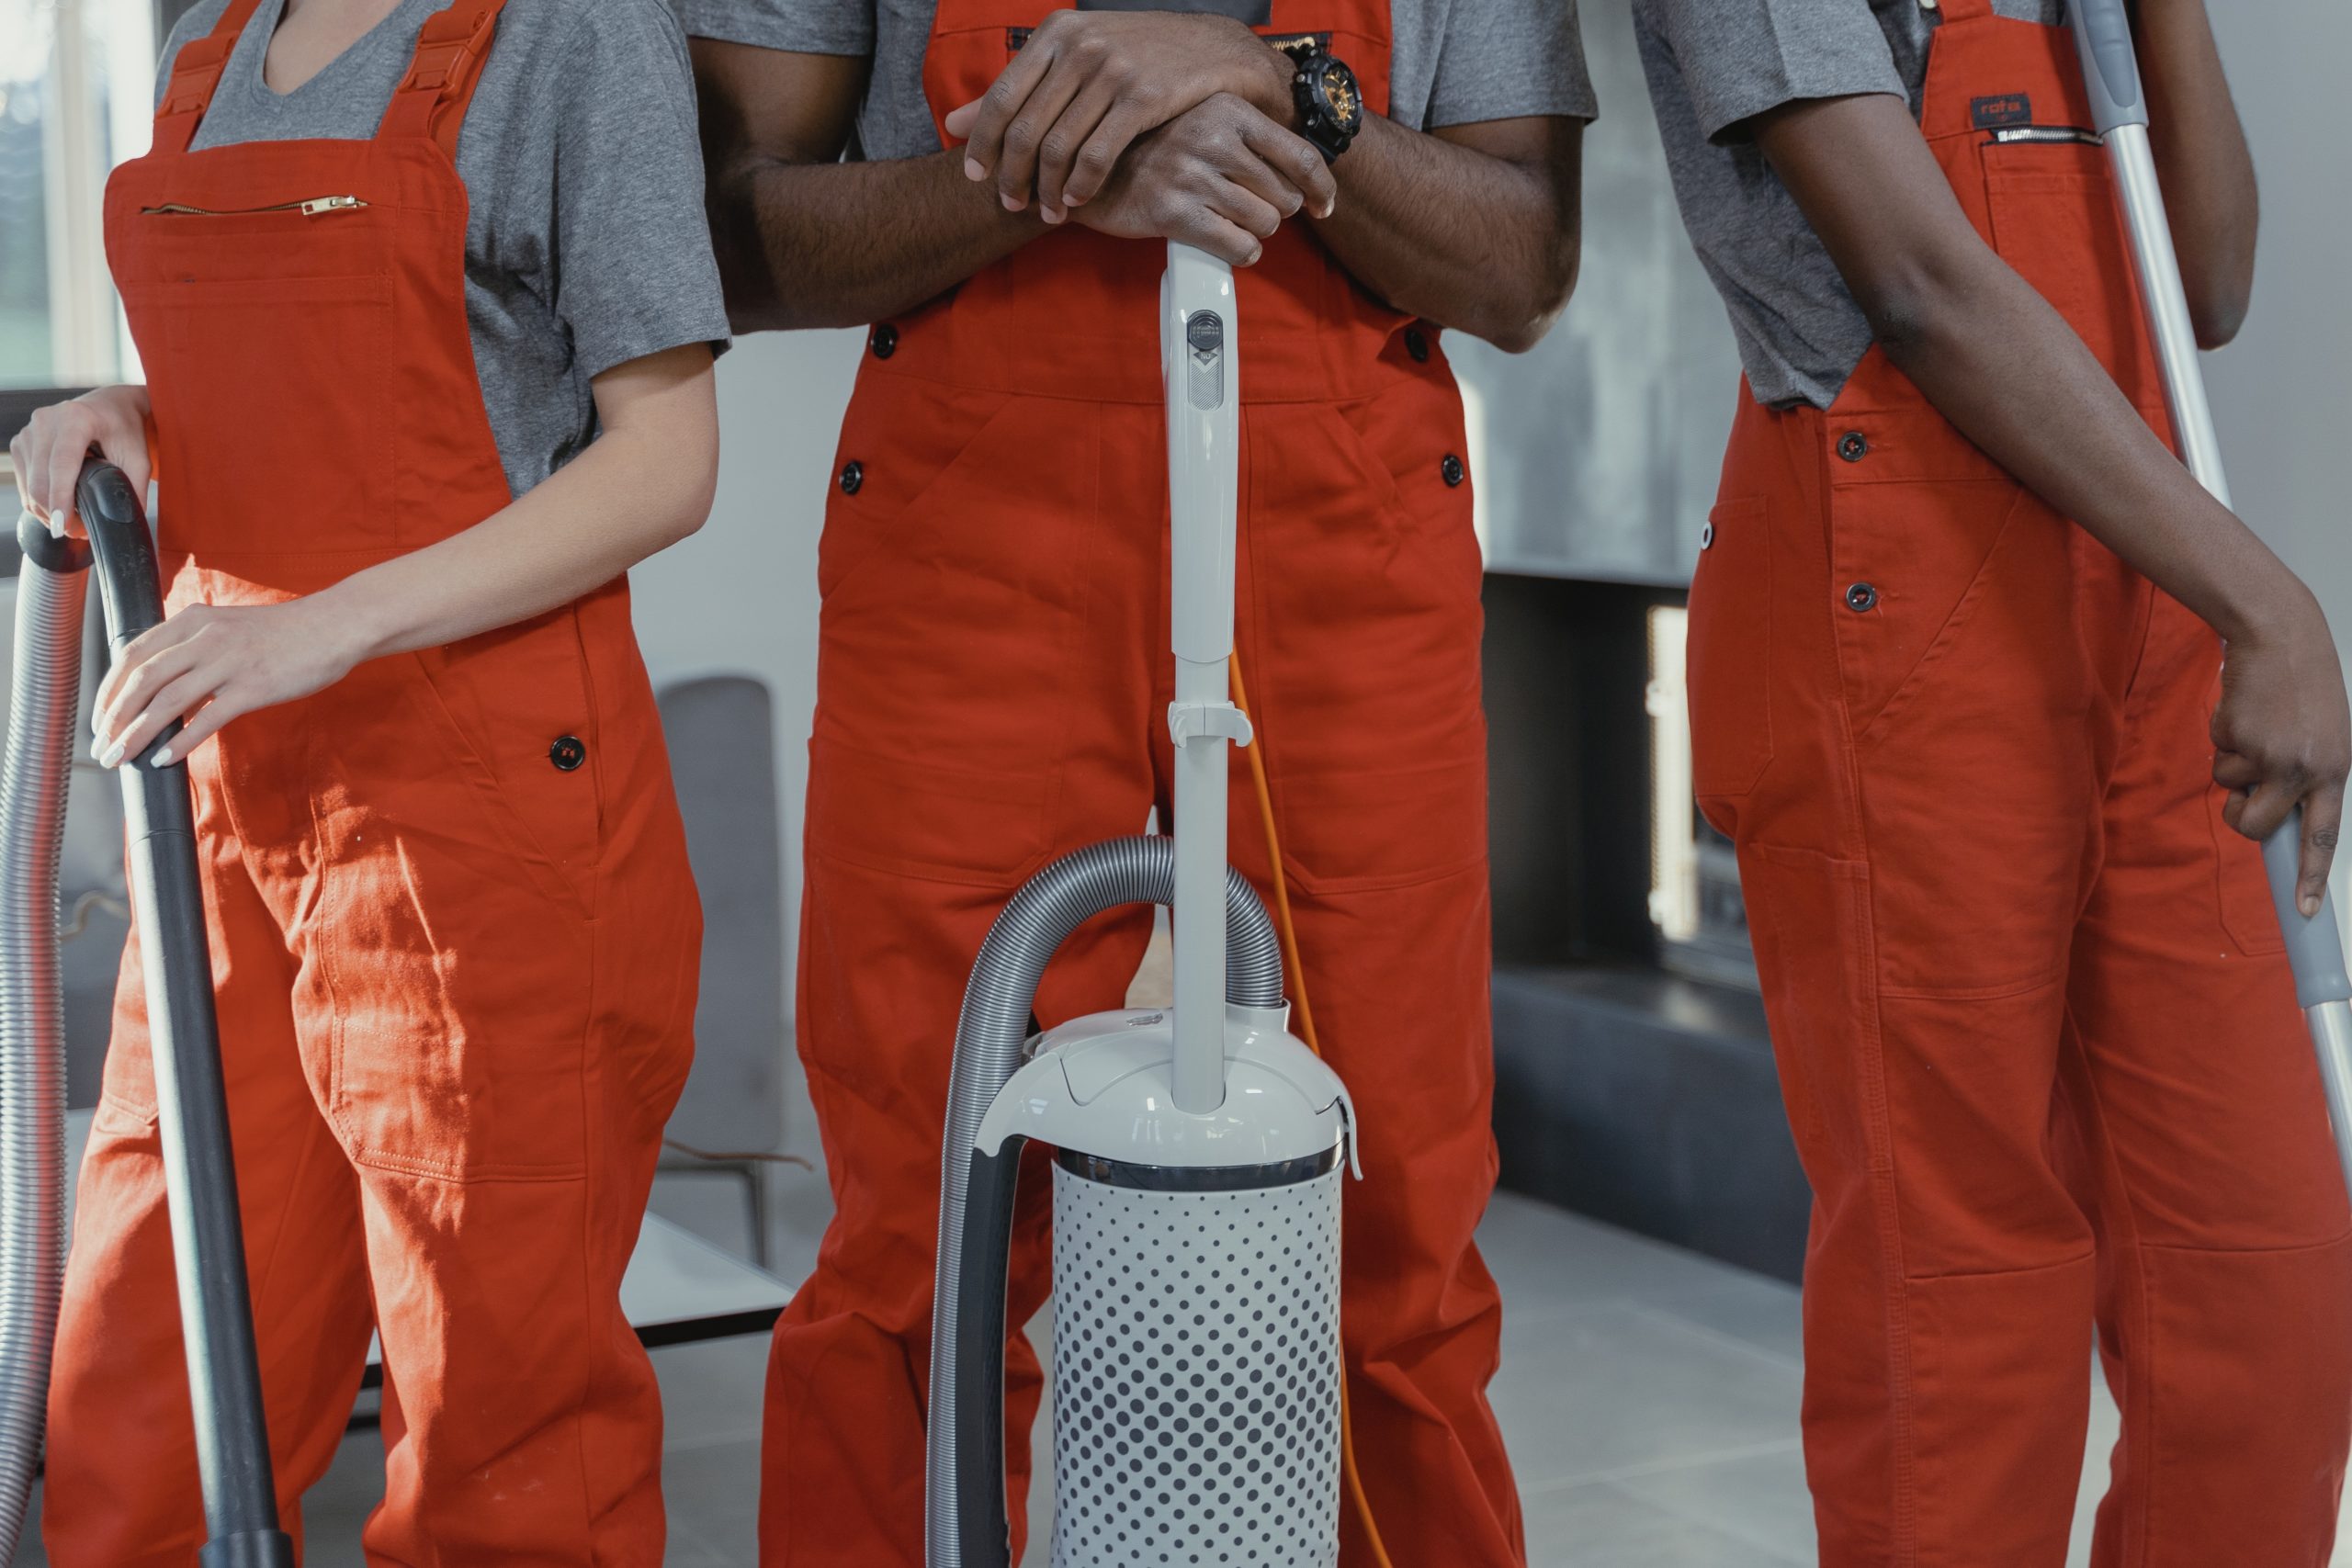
1649	1396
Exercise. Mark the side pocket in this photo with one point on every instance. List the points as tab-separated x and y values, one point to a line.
2242	885
1729	661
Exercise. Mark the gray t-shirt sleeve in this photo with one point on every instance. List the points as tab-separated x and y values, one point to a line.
633	273
1506	58
803	27
1736	59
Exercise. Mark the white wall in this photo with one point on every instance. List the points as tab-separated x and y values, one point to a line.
740	596
2282	392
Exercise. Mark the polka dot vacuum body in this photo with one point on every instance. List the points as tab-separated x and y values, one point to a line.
1198	1150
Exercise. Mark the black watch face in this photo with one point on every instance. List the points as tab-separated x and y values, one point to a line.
1336	95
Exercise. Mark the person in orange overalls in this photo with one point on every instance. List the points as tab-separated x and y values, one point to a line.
1958	695
993	676
416	406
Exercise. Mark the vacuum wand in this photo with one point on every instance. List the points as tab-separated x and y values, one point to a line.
2120	114
192	1105
1197	358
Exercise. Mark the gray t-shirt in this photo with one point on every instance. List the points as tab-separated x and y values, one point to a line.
1455	62
1714	64
585	242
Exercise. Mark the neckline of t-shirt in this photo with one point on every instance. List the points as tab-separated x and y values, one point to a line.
263	27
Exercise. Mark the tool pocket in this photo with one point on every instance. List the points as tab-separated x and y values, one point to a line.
323	341
1728	661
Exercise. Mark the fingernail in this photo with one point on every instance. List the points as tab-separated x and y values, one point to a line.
1050	214
111	756
163	757
974	170
2311	905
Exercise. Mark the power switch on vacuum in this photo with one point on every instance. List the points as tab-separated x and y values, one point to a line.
1205	336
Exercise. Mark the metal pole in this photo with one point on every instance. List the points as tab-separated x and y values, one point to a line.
2119	113
192	1104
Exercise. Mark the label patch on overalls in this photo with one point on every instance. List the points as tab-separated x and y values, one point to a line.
2006	108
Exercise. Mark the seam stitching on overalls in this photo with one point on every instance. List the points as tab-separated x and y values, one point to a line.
1863	953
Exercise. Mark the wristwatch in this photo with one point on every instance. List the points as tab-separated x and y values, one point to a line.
1331	104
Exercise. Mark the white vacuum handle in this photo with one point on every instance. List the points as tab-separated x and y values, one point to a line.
2119	113
1200	377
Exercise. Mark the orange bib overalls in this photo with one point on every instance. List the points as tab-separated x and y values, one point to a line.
454	936
992	689
2038	1042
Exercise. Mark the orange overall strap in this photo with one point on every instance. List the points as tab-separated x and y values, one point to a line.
450	48
195	73
1964	10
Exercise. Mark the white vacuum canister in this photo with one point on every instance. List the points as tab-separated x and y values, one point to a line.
1196	1394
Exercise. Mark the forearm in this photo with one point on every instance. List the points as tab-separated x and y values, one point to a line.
2200	151
1470	240
632	493
842	244
1999	363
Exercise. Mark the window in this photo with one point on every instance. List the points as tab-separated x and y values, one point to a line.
77	98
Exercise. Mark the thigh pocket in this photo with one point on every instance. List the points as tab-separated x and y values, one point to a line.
1912	563
1728	661
926	820
2242	884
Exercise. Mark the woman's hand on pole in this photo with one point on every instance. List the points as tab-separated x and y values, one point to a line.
208	664
2282	738
49	452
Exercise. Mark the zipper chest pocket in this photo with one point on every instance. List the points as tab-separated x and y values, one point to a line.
312	208
2065	135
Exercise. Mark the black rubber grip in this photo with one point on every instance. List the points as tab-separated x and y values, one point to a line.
981	1527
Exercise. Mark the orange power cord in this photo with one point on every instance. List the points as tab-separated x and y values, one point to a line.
1297	972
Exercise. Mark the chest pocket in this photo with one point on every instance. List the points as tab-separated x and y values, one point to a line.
2053	218
1257	13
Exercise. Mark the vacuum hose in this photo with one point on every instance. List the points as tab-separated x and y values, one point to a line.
192	1108
43	699
965	1436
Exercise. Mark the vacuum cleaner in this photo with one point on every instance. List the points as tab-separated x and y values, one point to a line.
2119	114
1198	1150
192	1107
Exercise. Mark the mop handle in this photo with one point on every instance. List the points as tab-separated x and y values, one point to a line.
1201	383
2120	114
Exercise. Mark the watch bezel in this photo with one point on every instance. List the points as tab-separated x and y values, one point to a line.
1325	124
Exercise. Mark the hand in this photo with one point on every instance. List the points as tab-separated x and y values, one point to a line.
49	452
1086	85
1221	177
2284	740
208	663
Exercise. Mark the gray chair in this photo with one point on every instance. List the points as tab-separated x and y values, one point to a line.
721	734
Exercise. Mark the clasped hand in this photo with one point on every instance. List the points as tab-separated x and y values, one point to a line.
1149	125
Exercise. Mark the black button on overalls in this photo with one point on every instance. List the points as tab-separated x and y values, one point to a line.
1452	469
1862	597
885	340
852	477
567	752
1853	447
1416	343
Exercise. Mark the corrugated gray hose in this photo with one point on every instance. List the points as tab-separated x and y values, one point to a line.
990	1036
43	698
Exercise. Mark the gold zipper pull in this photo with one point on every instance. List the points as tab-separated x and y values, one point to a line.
312	208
